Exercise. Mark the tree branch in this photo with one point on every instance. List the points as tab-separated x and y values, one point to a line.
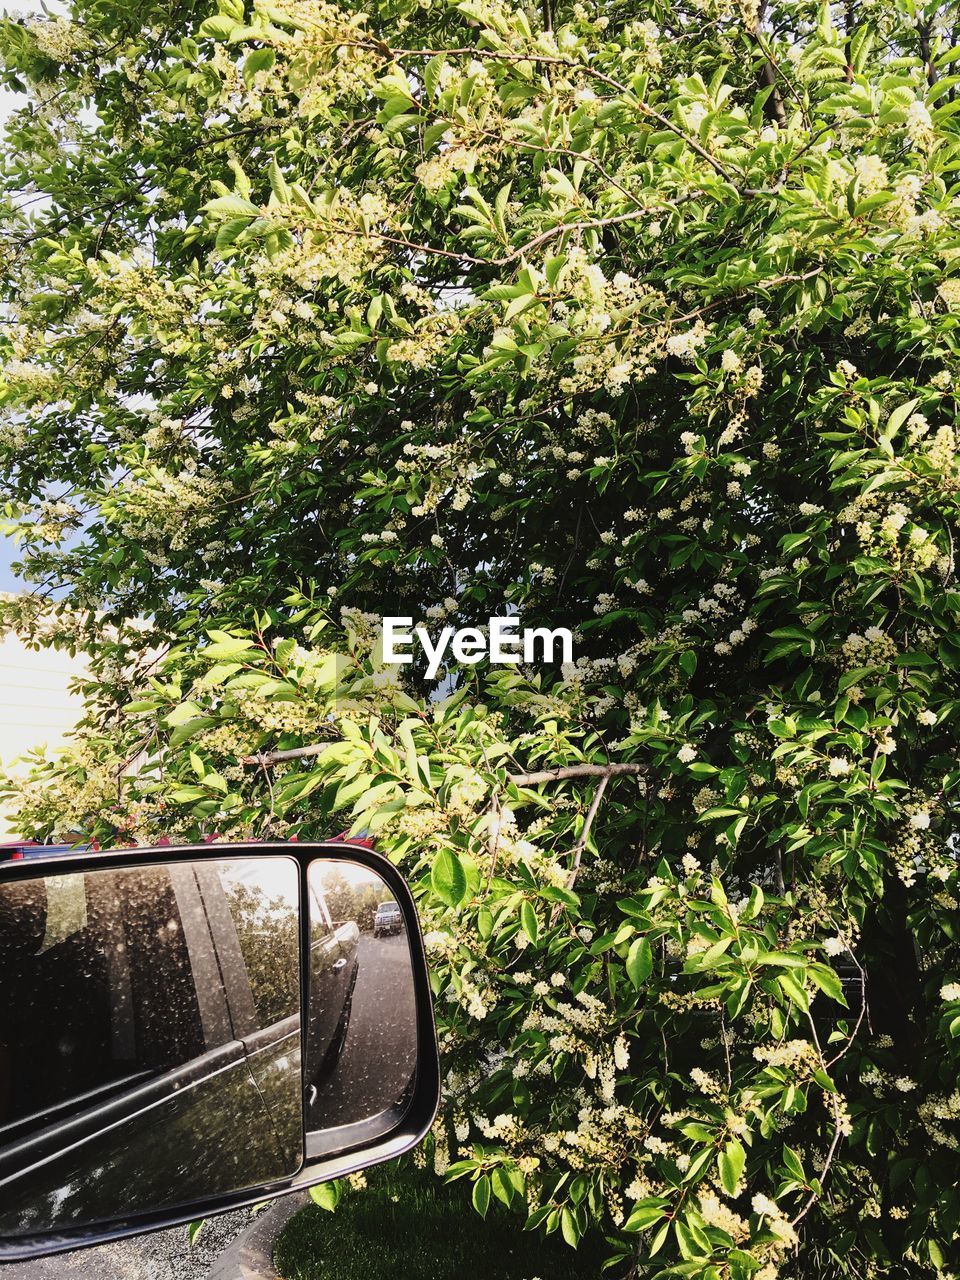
547	60
615	769
562	772
925	31
293	753
774	105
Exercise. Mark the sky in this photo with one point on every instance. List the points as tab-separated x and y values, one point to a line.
9	102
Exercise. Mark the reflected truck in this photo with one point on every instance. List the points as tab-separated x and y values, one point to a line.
388	920
162	1093
334	964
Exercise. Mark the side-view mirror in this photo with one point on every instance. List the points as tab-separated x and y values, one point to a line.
189	1030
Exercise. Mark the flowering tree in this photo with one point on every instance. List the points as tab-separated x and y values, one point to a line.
637	322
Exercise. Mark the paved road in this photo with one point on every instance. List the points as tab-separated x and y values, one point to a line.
164	1255
380	1052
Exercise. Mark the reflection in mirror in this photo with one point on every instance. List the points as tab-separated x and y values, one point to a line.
361	1050
149	1038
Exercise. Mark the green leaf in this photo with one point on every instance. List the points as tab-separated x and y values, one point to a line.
502	1185
659	1240
232	206
448	878
645	1213
529	921
431	74
899	416
180	715
738	994
188	795
219	27
227	646
639	961
278	183
568	1227
793	1166
230	231
828	981
193	1230
284	652
754	905
481	1195
730	1164
553	893
794	991
781	960
256	61
327	1195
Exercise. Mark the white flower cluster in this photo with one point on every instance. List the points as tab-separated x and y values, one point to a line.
872	649
871	174
475	999
800	1056
58	38
919	126
936	1111
686	345
716	1214
735	637
777	1220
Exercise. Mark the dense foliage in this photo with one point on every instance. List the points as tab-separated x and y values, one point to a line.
637	319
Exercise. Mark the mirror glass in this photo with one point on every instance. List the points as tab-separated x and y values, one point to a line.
361	1045
149	1038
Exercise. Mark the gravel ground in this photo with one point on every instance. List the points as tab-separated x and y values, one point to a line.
164	1255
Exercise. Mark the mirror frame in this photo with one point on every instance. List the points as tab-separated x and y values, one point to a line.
411	1127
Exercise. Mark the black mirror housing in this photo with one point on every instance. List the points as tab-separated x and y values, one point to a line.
186	1030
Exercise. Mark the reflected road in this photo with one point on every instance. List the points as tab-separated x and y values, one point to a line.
380	1051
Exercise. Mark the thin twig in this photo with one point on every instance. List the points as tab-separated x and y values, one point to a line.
581	844
585	833
863	1009
837	1132
268	825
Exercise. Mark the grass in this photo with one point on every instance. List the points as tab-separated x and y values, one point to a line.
408	1225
